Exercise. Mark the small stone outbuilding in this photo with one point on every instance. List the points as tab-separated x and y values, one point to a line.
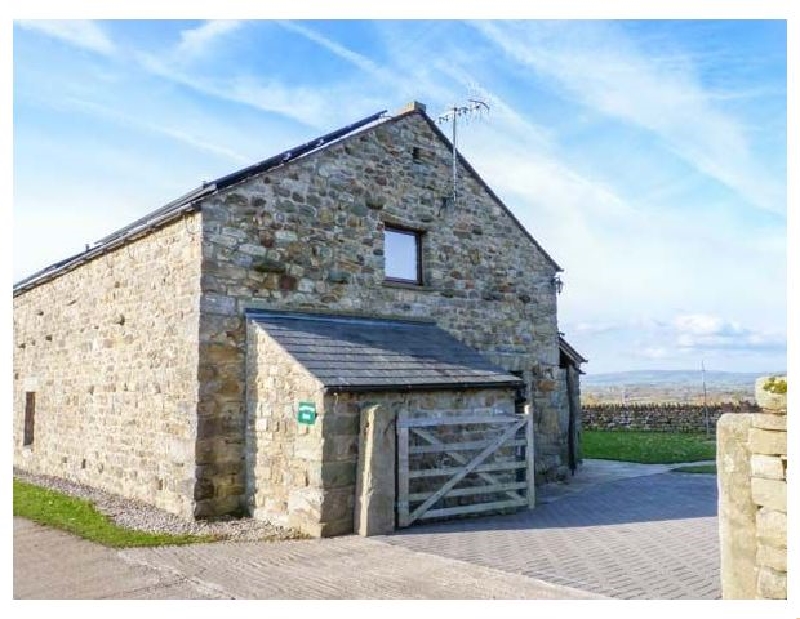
309	376
154	364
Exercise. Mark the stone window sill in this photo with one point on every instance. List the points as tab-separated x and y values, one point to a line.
406	286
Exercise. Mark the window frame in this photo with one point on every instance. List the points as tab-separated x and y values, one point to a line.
413	232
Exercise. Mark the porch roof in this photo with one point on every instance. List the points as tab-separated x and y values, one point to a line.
370	354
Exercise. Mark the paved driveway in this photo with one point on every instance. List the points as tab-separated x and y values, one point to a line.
647	537
651	537
50	564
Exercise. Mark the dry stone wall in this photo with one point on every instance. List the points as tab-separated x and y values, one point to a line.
309	236
751	464
659	417
110	351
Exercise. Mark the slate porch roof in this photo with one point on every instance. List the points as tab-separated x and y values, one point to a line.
363	354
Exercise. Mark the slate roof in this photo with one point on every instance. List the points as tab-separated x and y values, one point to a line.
191	200
363	354
565	347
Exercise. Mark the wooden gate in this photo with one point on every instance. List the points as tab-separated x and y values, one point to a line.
464	462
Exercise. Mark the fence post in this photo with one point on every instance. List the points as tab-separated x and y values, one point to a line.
530	457
402	470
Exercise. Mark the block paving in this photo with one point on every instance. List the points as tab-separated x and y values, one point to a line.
649	537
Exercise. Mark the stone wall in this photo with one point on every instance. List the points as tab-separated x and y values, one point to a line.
110	351
751	465
658	417
283	472
309	235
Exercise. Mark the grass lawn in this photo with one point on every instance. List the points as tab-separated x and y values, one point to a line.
81	518
709	469
647	447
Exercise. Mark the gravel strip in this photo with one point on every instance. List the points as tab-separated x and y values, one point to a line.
133	514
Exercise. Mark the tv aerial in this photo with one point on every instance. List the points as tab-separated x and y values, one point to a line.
472	108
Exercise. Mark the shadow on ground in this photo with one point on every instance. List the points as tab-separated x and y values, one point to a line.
661	497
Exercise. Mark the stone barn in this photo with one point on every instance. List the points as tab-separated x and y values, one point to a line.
218	355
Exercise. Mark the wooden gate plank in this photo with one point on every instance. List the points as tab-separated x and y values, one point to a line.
518	485
472	509
450	447
490	479
428	422
446	471
466	470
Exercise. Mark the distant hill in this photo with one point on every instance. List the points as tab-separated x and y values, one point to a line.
673	377
642	386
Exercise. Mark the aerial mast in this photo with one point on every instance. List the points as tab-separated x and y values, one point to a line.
451	115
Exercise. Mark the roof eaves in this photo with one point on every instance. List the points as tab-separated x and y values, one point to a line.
157	218
570	350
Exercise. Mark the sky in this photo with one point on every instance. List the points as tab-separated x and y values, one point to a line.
647	157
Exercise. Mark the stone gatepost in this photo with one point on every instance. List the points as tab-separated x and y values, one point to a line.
751	474
767	440
375	478
736	511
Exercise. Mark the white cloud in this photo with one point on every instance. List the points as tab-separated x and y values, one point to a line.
682	341
179	135
704	332
655	352
267	97
197	41
397	79
701	324
592	328
81	33
305	104
358	60
604	70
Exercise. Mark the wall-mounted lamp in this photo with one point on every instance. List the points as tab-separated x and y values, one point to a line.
558	285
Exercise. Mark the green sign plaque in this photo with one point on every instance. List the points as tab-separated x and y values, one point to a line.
307	413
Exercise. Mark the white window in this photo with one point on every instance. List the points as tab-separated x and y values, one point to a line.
403	252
